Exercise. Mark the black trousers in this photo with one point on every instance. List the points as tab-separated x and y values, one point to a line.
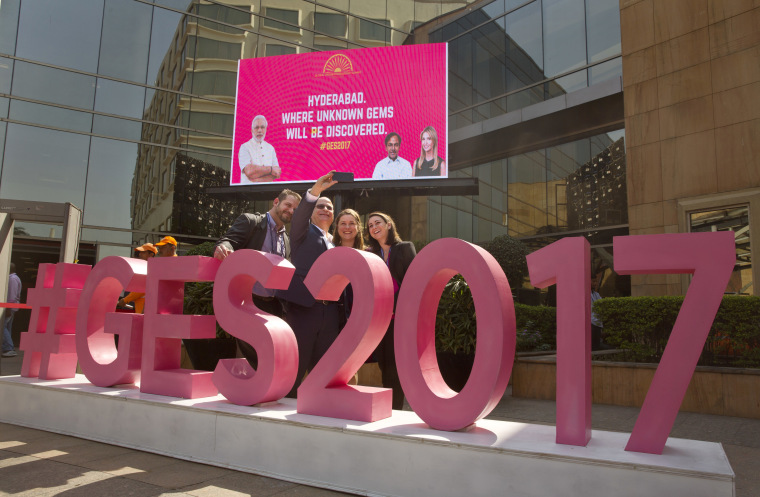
270	305
316	328
386	359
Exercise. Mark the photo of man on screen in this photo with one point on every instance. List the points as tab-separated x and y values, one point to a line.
257	158
393	166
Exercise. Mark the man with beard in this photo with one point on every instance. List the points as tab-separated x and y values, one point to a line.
264	232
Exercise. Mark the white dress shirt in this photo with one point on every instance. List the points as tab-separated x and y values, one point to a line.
253	152
392	169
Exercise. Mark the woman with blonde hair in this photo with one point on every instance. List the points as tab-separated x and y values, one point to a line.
429	163
348	231
397	255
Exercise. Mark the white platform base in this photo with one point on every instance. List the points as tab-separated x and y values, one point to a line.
396	456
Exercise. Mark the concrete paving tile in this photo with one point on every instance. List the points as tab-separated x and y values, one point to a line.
706	427
112	487
37	476
306	491
180	474
13	458
236	484
89	451
50	441
133	462
744	461
747	433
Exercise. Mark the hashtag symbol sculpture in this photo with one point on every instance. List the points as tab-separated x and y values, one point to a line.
50	345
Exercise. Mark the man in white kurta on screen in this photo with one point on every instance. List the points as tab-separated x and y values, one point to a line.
393	166
257	158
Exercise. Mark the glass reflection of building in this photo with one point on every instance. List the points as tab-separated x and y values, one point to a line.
125	108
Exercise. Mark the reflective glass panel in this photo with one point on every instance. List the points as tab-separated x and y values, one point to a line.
126	40
606	70
44	164
117	98
61	33
736	220
527	193
53	85
8	23
109	183
564	35
274	15
50	116
330	24
163	30
378	32
603	27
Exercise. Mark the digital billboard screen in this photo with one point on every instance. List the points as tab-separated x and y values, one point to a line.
380	113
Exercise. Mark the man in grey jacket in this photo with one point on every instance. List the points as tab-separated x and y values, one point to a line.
266	233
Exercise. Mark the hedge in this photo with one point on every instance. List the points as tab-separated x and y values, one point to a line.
643	325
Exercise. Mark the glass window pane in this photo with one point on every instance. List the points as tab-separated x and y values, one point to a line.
289	16
61	33
53	85
8	23
126	40
330	24
525	45
489	64
109	183
378	32
122	99
6	73
213	49
117	128
603	18
527	193
164	27
564	35
44	164
606	70
273	49
50	116
225	14
736	220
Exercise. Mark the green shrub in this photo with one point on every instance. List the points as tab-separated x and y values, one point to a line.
199	296
456	327
643	325
510	253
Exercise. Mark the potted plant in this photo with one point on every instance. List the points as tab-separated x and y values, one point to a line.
204	353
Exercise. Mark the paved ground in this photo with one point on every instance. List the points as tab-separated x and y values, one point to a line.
38	463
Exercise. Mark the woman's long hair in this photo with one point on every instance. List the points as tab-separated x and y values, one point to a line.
391	239
434	136
359	240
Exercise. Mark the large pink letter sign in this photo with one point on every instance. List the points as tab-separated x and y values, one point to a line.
431	398
49	344
101	363
274	341
322	109
566	263
325	391
165	326
710	257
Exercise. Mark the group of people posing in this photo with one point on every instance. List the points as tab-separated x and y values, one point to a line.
316	323
258	162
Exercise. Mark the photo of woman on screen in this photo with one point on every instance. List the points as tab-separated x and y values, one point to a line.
429	163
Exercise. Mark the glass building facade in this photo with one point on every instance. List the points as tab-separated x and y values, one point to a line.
125	109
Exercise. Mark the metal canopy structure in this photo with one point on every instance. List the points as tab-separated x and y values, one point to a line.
41	212
413	187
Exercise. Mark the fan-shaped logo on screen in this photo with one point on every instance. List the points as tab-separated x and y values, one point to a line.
338	65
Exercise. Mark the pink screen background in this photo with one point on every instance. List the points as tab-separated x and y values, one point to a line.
411	79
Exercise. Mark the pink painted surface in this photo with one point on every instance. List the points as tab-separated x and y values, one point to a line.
274	341
409	80
567	264
97	323
427	393
166	326
710	257
325	391
49	345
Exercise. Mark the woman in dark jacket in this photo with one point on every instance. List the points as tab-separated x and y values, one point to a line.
385	243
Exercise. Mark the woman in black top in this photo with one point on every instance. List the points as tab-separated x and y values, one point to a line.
428	163
385	242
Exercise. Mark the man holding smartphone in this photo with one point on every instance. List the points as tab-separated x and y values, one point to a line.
316	323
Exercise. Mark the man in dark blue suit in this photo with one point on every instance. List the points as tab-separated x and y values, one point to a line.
314	322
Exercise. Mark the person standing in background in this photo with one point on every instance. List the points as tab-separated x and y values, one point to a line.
14	297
